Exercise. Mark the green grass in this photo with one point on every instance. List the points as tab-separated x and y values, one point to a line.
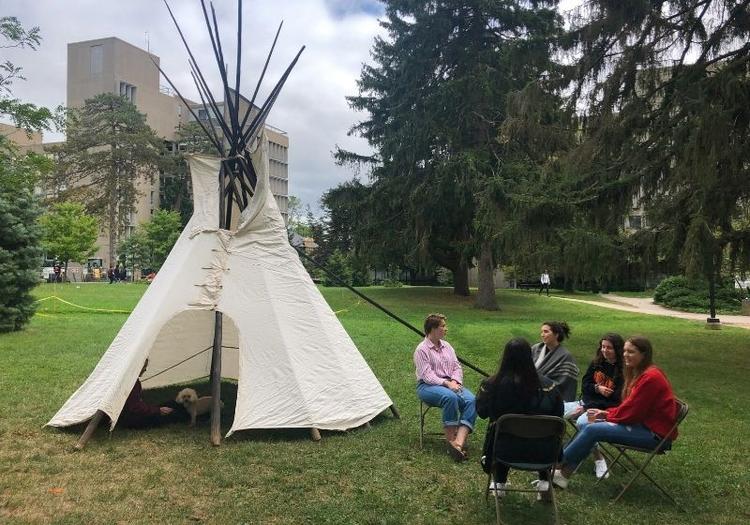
173	475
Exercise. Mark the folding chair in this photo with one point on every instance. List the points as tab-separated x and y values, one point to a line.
423	409
526	431
660	449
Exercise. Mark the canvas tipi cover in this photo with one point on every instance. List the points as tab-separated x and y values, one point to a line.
295	364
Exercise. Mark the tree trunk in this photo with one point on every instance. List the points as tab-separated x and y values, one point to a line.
112	238
458	267
486	299
461	279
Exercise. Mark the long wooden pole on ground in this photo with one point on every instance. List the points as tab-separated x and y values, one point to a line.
93	423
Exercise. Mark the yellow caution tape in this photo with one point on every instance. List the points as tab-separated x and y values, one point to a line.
82	307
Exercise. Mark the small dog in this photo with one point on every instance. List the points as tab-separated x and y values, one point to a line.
195	406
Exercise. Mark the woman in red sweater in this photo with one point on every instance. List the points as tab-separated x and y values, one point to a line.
646	415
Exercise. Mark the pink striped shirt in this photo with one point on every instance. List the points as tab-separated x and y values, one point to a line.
437	363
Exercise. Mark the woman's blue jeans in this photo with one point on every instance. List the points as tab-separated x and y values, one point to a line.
602	431
459	408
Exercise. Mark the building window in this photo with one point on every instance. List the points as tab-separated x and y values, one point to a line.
127	91
97	61
635	222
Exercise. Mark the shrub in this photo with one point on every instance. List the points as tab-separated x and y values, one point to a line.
338	265
691	295
444	276
20	256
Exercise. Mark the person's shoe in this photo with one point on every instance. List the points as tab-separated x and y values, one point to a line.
498	488
601	469
542	487
456	453
559	480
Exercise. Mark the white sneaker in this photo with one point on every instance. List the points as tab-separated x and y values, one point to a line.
600	468
498	488
559	480
542	487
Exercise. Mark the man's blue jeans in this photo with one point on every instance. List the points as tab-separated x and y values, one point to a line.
459	408
605	432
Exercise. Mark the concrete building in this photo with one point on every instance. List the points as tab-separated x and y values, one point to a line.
20	138
111	65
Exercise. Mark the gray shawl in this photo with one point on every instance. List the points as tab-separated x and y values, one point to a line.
560	367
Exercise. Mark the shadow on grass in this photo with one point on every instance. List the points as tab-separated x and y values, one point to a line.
159	396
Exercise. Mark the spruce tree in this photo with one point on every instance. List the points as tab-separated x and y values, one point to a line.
436	101
20	256
666	91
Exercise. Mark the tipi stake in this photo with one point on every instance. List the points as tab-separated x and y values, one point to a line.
315	434
89	430
395	412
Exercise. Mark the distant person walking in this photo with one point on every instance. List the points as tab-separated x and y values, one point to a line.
544	283
111	275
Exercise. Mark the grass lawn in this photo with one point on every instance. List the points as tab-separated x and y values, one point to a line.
173	475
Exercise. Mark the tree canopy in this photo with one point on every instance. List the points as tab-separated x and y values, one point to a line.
20	253
69	233
437	102
665	88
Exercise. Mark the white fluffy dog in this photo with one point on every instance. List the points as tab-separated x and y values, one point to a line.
194	405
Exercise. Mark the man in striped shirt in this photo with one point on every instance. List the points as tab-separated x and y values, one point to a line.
440	384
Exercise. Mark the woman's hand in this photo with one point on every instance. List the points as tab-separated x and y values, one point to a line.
165	411
594	414
453	385
605	391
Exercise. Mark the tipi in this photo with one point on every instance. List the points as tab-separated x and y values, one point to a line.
238	291
295	364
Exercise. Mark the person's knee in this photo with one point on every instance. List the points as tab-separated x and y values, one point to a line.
450	397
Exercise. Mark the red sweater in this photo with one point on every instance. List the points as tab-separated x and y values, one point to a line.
651	403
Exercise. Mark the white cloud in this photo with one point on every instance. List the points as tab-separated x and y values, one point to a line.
312	107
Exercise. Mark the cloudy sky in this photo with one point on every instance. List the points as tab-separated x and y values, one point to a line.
312	107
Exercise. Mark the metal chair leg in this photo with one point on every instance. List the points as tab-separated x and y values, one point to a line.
497	507
642	471
554	500
421	425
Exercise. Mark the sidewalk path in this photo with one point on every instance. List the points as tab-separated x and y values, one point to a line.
645	305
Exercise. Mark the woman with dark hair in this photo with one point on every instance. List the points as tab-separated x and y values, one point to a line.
553	360
516	388
601	388
646	415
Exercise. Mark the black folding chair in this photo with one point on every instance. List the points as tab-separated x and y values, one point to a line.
530	443
661	448
423	409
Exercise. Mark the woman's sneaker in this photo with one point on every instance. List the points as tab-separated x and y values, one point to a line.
542	488
559	480
601	469
499	488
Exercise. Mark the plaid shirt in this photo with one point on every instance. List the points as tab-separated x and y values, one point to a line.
437	363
